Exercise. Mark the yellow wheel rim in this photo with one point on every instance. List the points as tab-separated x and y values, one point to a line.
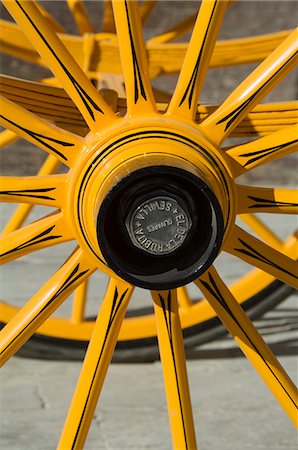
201	143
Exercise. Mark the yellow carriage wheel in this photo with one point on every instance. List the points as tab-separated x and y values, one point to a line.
68	337
151	198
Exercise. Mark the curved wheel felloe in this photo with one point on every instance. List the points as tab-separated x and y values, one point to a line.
152	199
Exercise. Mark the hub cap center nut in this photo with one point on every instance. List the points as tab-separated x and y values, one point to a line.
158	225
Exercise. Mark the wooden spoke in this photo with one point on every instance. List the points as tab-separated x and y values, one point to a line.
95	366
43	304
49	18
271	71
43	233
183	298
259	254
79	303
23	210
35	190
146	8
262	230
171	348
133	57
57	141
175	32
266	149
197	59
268	200
76	83
7	137
250	341
108	23
80	15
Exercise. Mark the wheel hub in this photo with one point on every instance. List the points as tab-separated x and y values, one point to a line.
151	208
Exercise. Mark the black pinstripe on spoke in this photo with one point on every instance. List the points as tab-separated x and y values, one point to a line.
86	99
139	89
46	141
233	116
116	303
248	250
259	154
38	239
215	291
189	91
75	275
267	203
167	309
31	193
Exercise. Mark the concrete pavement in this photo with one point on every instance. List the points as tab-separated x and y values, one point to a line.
233	410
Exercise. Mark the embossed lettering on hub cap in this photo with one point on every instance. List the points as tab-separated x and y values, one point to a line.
159	225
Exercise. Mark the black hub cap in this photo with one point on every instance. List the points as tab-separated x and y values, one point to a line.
160	227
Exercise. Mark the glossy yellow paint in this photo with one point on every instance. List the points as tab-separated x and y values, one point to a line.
171	347
79	13
23	210
250	342
79	303
96	363
46	100
43	304
184	101
119	138
252	90
82	144
163	57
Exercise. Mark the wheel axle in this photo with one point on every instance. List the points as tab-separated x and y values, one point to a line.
160	227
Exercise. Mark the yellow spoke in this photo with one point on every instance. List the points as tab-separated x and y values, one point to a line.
95	366
7	137
133	57
146	8
266	149
197	59
250	341
271	71
79	303
23	210
80	15
28	319
184	300
171	348
48	191
57	141
53	22
268	200
93	108
262	230
259	254
43	233
175	32
108	23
